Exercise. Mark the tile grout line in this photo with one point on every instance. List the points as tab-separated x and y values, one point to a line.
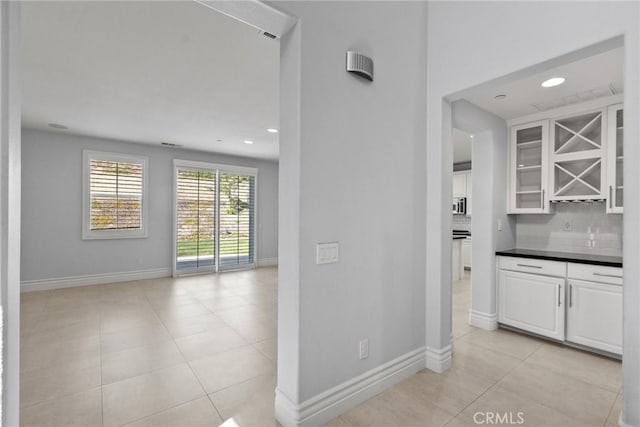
173	340
101	378
490	388
155	370
610	411
522	362
156	413
493	386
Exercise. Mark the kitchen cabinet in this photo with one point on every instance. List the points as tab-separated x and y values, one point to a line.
577	157
615	158
532	302
459	184
462	187
466	253
528	152
457	269
580	304
594	315
571	153
594	309
469	192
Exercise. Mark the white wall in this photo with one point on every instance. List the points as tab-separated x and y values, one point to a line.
10	209
490	175
352	166
475	42
52	245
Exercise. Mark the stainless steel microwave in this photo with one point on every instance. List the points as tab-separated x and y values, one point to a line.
459	205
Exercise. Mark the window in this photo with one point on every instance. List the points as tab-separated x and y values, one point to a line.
114	202
214	217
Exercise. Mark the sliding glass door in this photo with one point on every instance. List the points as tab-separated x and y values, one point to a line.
237	212
214	217
195	219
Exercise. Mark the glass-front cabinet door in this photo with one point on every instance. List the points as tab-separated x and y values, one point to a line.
615	159
528	168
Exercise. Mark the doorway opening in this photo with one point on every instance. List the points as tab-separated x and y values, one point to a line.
461	253
550	162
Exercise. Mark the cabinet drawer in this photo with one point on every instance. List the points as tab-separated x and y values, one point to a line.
536	266
595	273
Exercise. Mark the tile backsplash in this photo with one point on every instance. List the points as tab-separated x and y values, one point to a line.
575	227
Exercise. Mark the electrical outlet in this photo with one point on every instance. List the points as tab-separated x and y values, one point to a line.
568	226
364	348
499	225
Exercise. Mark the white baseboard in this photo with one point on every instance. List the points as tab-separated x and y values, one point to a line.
482	320
438	359
92	279
621	423
326	406
267	262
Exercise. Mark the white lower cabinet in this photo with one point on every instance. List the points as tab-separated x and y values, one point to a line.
594	315
532	302
585	301
466	253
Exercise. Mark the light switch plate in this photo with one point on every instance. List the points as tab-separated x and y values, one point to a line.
363	348
327	253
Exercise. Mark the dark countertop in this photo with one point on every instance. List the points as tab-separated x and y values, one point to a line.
609	261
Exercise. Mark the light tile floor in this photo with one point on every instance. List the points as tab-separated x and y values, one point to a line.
201	350
192	351
503	373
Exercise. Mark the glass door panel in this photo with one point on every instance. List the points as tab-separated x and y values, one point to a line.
237	217
196	219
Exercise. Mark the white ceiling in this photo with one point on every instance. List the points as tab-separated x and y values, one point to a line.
592	77
461	146
150	72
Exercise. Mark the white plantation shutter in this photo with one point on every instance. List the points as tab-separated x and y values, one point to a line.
114	196
237	212
195	218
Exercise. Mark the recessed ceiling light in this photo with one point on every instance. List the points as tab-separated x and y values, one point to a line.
500	96
57	126
218	140
246	141
272	130
553	81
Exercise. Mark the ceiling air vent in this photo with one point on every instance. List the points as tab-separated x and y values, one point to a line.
169	144
268	35
587	95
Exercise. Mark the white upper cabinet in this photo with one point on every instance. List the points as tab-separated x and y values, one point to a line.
459	185
578	157
462	187
572	153
469	176
615	157
528	153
